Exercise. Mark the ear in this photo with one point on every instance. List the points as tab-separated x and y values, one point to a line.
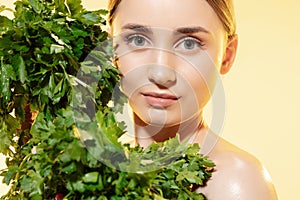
229	54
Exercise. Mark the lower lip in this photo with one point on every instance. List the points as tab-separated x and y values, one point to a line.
159	102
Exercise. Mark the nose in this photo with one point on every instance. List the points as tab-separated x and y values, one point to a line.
162	72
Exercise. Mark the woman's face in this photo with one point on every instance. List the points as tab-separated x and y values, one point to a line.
170	53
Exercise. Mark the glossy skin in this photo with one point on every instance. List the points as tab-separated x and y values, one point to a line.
171	53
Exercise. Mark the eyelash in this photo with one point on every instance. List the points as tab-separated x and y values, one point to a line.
196	45
196	40
129	38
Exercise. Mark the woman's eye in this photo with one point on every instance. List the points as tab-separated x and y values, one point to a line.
189	44
137	40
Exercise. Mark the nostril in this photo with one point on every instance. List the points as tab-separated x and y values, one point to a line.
162	76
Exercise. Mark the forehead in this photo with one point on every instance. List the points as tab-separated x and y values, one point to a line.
168	14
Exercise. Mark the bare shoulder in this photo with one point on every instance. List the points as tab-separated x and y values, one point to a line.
238	176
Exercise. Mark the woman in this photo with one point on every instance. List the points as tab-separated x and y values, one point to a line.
171	53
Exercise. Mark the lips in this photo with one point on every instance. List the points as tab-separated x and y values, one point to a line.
160	100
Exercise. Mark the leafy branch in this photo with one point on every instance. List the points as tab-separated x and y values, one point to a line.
57	78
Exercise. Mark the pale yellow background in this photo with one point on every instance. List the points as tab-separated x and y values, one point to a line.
262	90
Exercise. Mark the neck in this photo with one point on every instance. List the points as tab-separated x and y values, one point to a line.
146	134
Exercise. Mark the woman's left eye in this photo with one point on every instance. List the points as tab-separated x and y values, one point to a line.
137	40
189	44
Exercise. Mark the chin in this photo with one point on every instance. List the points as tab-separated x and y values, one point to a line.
159	124
159	121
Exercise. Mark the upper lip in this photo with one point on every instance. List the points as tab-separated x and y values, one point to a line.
162	95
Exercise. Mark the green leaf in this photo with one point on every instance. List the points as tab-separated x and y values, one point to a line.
51	85
5	23
120	183
64	157
193	149
58	87
19	66
177	165
36	5
5	42
75	150
4	138
72	167
77	32
36	197
208	163
89	18
91	177
12	125
55	48
183	196
191	176
6	73
9	175
74	6
77	186
32	183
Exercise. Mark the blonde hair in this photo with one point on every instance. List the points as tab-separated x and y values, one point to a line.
223	8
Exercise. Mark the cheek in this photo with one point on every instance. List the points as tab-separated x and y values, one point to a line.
133	73
201	74
131	84
131	60
126	63
199	94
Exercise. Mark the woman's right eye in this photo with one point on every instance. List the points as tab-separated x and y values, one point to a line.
137	41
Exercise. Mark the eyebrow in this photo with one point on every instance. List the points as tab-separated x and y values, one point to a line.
138	28
182	30
189	30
